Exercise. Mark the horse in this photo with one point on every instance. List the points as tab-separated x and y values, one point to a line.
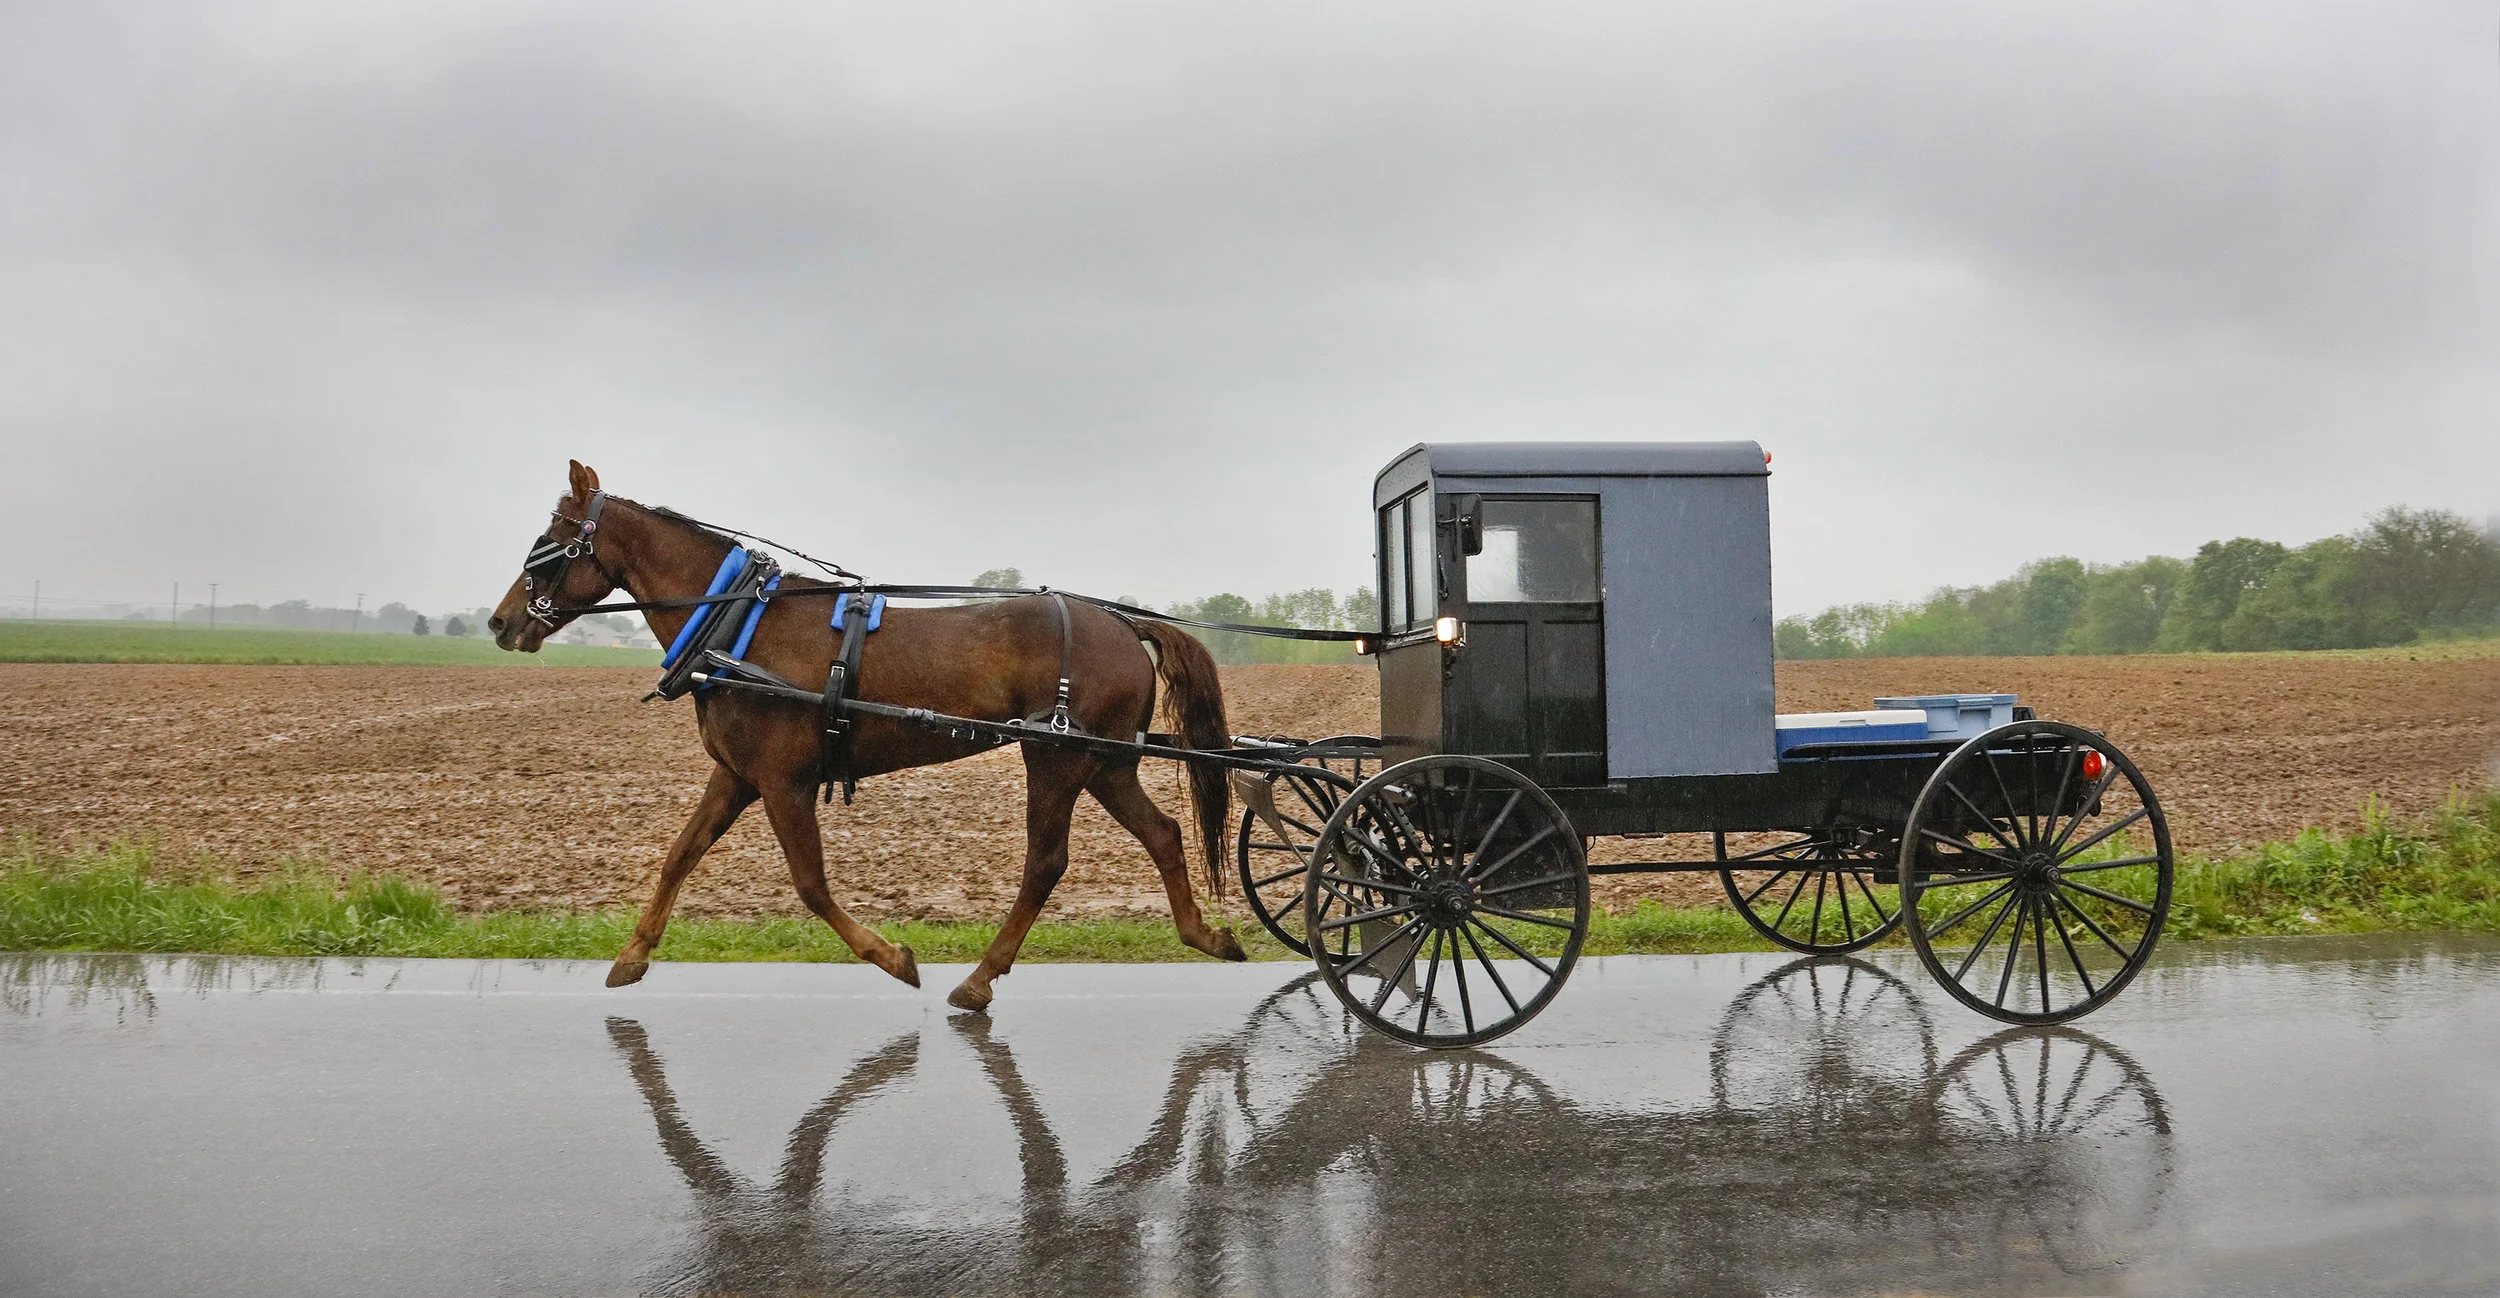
990	661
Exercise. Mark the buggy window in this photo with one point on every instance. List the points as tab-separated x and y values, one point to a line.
1536	552
1408	593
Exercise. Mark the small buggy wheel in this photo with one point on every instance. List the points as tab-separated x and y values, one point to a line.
2035	872
1825	892
1451	901
1281	816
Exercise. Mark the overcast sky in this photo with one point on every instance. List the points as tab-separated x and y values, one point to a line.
311	299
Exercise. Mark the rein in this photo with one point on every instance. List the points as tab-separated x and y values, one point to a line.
548	553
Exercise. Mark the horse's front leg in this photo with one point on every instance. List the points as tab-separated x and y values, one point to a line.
1052	781
723	798
792	809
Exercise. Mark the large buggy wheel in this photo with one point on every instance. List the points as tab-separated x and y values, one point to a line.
1825	892
2035	872
1281	816
1450	903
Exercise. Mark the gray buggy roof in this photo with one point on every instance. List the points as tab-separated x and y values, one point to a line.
1588	459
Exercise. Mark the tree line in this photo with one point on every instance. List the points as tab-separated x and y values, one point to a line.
2410	574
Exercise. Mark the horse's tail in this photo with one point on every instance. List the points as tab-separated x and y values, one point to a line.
1194	704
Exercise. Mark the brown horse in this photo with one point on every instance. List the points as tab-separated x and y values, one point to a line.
992	661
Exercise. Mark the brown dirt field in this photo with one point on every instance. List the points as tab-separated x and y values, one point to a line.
552	787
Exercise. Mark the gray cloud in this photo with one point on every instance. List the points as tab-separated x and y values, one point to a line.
1137	298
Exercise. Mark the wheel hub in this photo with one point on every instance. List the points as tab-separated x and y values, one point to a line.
1446	901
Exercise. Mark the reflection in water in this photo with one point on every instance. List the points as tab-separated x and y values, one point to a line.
1298	1155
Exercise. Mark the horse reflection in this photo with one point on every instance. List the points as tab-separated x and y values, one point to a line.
1297	1154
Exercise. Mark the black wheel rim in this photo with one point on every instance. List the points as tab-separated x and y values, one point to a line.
1824	892
1453	901
1271	855
2036	872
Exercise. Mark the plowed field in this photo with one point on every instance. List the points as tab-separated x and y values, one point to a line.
552	787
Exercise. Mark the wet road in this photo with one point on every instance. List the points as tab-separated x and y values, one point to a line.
2310	1117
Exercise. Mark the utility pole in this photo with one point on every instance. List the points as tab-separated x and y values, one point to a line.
39	601
212	606
173	611
359	617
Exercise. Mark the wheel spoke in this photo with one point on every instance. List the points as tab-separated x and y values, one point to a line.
1964	844
2072	956
1515	949
2040	956
2088	890
2057	804
2099	787
1966	912
1523	886
1882	916
1527	917
1814	925
1380	884
2014	813
2013	951
2102	834
1432	975
1280	877
2124	953
1949	880
1987	937
2089	866
1487	872
1489	970
1332	925
1770	853
1414	947
1782	921
1485	844
1987	821
1767	885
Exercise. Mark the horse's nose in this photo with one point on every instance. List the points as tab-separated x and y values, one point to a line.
495	624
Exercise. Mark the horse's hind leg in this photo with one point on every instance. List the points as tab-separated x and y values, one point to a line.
793	813
723	798
1117	789
1052	781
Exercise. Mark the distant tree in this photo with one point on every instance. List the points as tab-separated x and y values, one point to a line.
2123	607
419	627
2221	574
454	626
1009	577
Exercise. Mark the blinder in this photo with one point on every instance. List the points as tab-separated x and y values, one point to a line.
550	561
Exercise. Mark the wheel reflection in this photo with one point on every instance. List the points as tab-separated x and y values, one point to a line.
1297	1153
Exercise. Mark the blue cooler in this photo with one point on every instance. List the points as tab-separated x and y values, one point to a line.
1847	728
1958	716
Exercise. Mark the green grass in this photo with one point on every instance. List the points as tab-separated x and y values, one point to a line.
2441	872
146	642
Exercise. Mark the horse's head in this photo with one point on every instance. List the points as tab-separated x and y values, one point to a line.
562	575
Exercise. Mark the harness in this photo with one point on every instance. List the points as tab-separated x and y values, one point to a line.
550	556
713	643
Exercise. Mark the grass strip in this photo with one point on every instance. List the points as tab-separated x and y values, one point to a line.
142	642
2439	872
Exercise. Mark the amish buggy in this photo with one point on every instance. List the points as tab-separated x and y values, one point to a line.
1575	643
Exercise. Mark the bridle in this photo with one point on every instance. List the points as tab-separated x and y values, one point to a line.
553	559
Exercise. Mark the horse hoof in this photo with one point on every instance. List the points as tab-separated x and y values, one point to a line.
971	998
905	965
626	972
1227	946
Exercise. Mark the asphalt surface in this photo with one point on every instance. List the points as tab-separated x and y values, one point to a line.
2315	1116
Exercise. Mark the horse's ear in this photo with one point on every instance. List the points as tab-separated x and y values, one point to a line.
585	481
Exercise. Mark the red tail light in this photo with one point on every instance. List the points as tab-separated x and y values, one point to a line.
2093	765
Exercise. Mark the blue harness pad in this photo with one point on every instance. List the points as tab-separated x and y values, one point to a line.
876	612
754	615
731	569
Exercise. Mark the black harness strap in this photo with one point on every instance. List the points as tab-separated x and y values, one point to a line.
841	686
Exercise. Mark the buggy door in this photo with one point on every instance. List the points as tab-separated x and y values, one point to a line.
1529	688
